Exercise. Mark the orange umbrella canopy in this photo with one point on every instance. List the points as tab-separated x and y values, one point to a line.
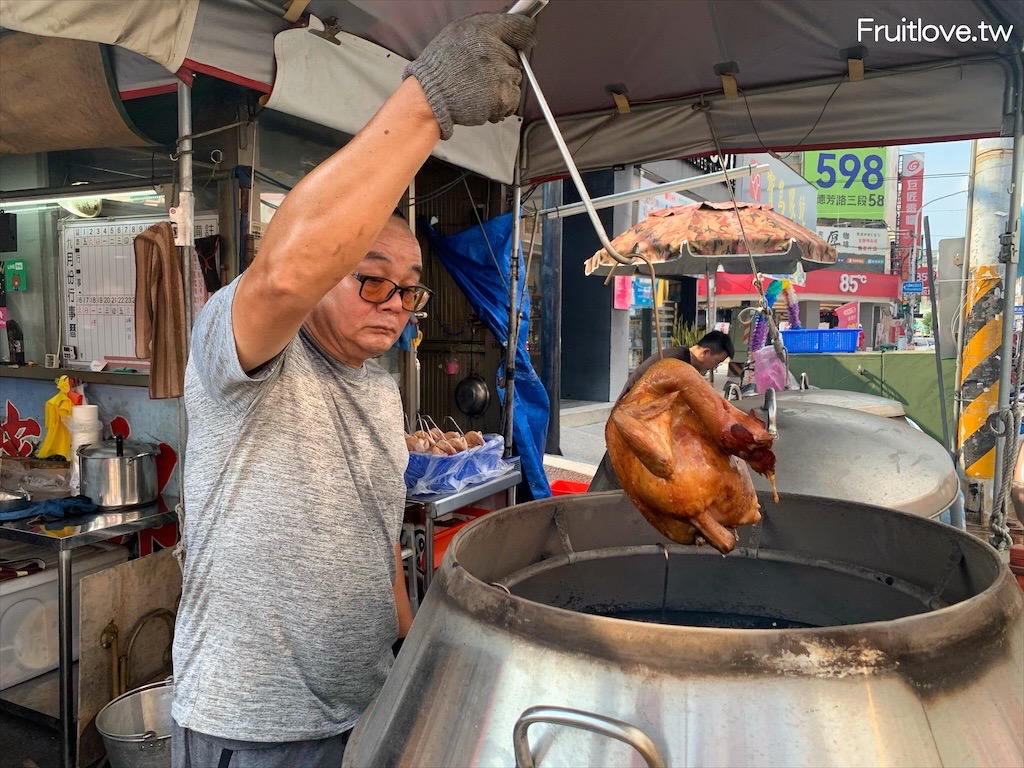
691	239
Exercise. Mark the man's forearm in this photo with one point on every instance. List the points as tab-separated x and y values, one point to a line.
327	223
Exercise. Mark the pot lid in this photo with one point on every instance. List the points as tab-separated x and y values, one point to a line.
843	454
108	450
857	401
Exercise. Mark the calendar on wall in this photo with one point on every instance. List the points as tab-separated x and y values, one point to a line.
98	284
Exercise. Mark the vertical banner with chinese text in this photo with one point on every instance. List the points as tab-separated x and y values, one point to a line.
908	224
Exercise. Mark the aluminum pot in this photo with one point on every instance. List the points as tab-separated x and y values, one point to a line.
118	473
136	727
568	631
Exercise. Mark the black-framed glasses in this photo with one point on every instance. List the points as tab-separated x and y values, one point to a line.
378	290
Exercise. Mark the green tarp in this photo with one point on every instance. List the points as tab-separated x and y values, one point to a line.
908	377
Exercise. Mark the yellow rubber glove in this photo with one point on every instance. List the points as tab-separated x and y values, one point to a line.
58	436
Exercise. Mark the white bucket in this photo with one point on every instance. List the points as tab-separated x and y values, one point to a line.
136	727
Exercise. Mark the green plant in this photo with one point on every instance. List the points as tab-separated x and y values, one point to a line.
685	334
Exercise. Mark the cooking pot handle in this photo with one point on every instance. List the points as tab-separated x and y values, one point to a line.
588	721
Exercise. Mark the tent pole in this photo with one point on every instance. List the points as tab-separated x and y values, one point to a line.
946	443
958	340
513	311
551	314
1009	442
183	216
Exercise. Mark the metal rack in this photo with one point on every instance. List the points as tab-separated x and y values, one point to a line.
439	505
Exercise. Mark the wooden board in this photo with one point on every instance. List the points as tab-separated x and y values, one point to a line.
122	594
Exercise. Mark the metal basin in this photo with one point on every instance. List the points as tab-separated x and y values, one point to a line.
873	638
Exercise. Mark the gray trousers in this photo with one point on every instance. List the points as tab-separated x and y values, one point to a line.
191	749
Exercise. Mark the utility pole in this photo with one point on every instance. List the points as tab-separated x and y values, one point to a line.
983	323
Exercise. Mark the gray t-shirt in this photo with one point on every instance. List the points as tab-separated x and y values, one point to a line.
294	498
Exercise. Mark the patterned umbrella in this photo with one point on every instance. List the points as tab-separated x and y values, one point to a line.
700	237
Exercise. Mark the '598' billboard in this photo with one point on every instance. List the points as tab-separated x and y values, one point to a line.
850	182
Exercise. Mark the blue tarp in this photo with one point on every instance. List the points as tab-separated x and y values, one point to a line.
478	259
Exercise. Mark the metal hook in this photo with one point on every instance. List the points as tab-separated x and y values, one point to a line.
771	408
531	8
664	585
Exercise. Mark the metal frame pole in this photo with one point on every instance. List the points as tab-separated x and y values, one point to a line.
958	340
1004	441
65	662
513	313
935	333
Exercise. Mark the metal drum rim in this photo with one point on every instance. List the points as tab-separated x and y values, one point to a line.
988	614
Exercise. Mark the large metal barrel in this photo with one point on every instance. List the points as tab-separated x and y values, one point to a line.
569	632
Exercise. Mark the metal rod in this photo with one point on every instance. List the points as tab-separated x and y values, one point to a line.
551	315
570	165
935	332
1006	442
528	7
513	315
664	583
958	340
65	662
631	195
185	217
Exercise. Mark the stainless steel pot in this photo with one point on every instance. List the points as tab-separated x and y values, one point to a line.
118	473
567	631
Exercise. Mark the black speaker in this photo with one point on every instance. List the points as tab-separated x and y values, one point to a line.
8	233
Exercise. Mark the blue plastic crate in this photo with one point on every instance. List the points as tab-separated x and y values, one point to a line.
821	340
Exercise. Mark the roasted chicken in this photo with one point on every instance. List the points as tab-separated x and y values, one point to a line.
678	448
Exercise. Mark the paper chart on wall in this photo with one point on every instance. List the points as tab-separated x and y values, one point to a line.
98	284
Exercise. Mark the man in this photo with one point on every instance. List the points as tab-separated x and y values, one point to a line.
294	491
713	349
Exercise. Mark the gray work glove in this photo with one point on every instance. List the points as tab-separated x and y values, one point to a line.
470	72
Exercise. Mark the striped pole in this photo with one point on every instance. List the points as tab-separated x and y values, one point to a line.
983	323
979	382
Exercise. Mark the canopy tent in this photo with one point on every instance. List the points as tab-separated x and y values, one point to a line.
627	82
637	68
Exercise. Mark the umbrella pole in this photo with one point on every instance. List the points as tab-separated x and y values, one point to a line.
654	301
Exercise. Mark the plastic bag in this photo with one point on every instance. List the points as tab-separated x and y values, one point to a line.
427	474
769	371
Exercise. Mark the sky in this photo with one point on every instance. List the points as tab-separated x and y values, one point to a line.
947	167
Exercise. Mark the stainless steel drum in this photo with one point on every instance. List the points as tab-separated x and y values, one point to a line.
839	398
569	632
857	456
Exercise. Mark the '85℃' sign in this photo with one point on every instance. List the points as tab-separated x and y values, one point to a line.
851	283
850	182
